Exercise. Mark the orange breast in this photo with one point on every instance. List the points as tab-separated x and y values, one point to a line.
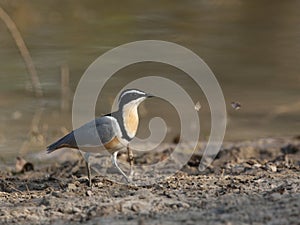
114	143
131	122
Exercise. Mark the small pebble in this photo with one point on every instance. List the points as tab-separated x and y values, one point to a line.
135	207
56	194
272	168
71	187
89	193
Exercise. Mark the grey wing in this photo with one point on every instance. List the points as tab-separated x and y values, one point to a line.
96	133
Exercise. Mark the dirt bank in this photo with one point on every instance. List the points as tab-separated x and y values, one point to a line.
254	182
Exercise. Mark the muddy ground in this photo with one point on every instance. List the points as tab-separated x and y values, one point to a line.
253	182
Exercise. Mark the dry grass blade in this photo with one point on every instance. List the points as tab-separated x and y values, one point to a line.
23	50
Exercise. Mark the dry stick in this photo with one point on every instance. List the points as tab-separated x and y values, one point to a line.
28	191
15	189
23	50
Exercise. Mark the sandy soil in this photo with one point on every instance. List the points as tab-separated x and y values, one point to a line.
253	182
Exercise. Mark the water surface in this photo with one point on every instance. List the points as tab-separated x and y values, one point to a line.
253	47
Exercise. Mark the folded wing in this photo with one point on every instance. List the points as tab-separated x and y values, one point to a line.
94	134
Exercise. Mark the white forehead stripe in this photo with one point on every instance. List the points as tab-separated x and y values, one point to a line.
132	91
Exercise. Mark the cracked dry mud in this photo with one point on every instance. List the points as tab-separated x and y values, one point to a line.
253	182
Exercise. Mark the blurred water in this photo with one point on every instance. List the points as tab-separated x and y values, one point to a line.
253	47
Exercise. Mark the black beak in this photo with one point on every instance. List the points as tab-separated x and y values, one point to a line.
149	96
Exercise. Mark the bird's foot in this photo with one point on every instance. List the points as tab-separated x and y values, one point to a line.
89	182
85	180
128	180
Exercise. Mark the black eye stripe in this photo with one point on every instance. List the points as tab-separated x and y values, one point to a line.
128	95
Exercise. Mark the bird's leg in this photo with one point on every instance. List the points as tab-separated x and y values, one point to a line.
114	159
88	166
130	160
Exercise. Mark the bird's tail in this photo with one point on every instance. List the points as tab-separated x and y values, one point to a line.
66	141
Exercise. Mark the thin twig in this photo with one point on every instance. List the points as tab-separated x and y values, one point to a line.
15	189
28	191
23	50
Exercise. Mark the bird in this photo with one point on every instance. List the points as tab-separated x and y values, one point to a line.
111	132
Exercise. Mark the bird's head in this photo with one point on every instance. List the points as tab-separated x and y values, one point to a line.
132	97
